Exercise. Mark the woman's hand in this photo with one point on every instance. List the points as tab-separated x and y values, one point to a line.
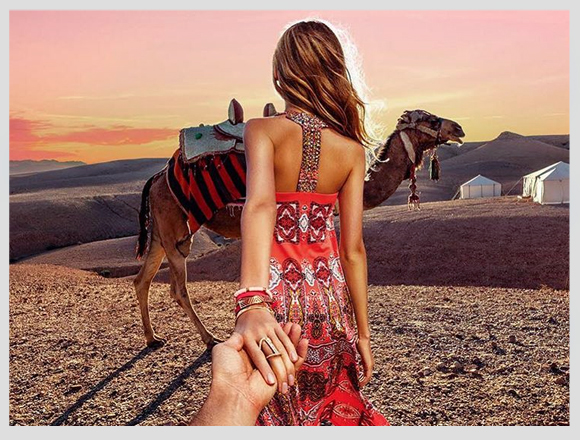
363	346
257	324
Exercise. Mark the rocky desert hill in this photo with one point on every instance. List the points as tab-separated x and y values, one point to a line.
114	257
119	176
21	167
76	205
88	203
483	242
558	140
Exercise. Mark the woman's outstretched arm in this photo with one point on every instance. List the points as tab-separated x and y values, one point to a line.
257	227
353	255
259	213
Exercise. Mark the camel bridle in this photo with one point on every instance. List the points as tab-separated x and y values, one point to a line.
409	147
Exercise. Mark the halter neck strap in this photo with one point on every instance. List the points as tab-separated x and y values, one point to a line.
311	128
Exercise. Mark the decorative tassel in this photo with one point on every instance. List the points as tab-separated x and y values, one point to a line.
434	167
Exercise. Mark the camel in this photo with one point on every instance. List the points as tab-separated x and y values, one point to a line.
417	132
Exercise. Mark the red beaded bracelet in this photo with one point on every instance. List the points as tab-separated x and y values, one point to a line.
251	293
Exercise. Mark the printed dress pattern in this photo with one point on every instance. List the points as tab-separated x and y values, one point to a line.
309	288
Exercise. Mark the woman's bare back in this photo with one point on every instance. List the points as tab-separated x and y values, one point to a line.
337	155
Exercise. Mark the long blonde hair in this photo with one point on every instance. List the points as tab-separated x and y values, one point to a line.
310	72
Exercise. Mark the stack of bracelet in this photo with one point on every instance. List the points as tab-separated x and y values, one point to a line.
251	298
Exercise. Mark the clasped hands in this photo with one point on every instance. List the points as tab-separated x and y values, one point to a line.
238	391
277	367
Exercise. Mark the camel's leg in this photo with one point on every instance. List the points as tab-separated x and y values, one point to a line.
176	239
178	271
142	284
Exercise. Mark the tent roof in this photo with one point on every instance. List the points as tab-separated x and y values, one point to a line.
548	168
480	180
560	172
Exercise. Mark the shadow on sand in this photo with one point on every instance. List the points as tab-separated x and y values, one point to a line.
171	388
149	409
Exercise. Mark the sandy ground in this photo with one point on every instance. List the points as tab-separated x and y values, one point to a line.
444	355
469	306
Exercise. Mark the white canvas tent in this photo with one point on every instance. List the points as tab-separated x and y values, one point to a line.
480	186
550	185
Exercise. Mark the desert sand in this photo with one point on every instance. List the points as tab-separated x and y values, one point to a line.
444	355
470	326
77	205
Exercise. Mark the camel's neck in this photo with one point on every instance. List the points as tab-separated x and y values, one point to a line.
388	176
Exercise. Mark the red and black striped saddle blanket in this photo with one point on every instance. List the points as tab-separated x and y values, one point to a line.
205	186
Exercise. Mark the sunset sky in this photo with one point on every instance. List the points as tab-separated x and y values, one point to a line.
104	85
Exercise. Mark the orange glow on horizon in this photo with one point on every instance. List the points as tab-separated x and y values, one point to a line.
104	85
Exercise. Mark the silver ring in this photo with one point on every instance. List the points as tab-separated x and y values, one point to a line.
270	345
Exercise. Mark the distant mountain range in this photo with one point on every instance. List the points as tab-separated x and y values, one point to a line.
38	166
86	203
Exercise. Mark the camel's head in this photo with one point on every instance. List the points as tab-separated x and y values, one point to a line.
441	130
451	131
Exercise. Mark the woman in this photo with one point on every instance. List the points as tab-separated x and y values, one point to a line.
299	163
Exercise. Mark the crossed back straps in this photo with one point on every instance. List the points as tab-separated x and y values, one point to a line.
311	129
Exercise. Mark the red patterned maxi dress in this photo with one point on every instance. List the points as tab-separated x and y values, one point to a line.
309	288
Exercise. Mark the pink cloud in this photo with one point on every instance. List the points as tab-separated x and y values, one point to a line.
23	130
116	135
28	138
23	138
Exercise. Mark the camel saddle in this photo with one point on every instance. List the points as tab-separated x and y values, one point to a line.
225	137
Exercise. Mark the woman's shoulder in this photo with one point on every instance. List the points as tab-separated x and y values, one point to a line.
271	125
264	121
350	148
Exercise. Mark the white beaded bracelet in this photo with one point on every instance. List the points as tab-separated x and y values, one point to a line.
254	289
